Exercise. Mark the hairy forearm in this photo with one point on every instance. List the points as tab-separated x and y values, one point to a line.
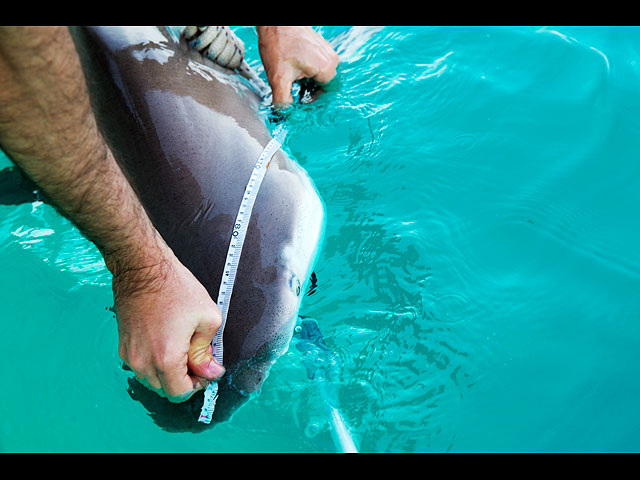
48	129
166	318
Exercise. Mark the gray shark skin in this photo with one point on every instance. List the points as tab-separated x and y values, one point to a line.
187	134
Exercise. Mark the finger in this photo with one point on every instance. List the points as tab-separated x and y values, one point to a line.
162	393
200	360
205	366
326	66
145	376
177	385
281	89
152	382
142	381
325	75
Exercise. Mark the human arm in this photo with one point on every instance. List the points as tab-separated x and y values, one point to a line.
166	319
291	53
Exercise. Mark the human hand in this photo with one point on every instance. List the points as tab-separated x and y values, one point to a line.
166	322
292	53
166	319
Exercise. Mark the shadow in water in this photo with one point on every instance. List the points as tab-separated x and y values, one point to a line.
183	417
16	188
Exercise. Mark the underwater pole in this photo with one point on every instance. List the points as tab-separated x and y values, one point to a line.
323	367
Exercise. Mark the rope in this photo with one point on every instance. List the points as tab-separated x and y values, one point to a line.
223	47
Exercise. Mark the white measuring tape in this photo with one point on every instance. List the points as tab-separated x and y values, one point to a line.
231	265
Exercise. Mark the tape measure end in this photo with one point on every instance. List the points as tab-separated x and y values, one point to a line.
206	420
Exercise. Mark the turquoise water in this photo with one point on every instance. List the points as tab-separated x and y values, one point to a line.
479	278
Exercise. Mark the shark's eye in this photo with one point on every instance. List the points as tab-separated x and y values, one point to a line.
294	283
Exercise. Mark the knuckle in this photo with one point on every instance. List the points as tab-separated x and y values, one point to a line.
137	365
216	318
334	56
122	353
167	361
163	363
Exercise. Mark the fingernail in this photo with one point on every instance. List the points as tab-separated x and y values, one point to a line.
215	370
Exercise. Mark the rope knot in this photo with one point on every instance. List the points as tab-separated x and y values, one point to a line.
218	44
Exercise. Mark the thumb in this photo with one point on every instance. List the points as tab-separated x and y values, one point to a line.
200	362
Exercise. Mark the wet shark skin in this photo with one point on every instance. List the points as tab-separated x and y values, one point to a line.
187	134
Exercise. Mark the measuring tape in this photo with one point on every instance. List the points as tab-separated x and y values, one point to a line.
238	235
